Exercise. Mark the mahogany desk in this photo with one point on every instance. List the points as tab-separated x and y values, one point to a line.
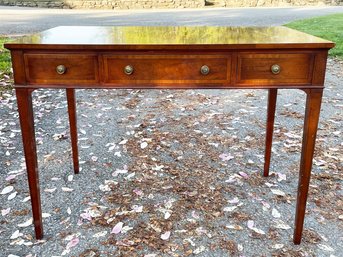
170	57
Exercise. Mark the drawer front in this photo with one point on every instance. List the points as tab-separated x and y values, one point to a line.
61	68
164	69
269	69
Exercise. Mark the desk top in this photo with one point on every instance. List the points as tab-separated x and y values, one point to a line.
148	37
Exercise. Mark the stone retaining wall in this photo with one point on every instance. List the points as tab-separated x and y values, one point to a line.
276	3
148	4
106	4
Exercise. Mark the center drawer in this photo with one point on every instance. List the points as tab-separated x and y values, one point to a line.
166	69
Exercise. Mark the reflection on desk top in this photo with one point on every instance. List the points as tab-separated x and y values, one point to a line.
173	37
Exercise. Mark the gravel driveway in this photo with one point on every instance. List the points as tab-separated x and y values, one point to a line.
170	173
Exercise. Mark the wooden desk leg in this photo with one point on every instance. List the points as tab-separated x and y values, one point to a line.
73	127
272	95
313	102
24	101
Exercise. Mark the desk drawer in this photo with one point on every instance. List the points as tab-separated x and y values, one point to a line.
61	68
276	68
164	69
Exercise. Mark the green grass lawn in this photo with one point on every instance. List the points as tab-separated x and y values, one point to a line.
5	67
5	59
329	27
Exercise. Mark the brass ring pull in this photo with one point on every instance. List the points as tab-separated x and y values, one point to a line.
128	70
61	69
205	70
275	69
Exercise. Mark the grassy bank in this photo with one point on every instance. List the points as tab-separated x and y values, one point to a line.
329	27
5	67
5	59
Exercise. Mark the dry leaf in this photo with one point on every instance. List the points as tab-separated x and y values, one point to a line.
278	192
12	196
126	229
4	212
230	208
259	231
123	142
250	224
167	215
7	190
46	215
243	174
276	213
72	243
67	189
10	177
281	177
235	227
280	224
117	228
199	250
138	192
100	234
165	236
26	223
234	200
50	190
118	171
225	157
278	246
144	145
16	234
325	248
137	208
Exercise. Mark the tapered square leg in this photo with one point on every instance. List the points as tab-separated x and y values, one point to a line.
73	127
313	103
272	95
24	101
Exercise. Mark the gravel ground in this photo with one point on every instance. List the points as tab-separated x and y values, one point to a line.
172	173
